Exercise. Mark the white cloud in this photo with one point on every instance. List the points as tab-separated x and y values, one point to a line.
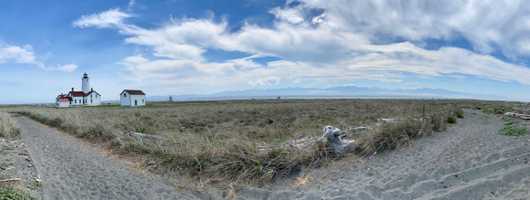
487	24
337	46
64	68
25	55
17	54
109	18
293	16
266	81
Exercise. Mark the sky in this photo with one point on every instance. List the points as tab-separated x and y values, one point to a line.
181	47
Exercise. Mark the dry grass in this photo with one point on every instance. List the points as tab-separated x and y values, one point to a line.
8	126
221	139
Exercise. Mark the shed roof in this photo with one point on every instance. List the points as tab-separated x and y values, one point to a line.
133	92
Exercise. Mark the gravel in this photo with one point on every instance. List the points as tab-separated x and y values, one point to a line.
16	164
72	169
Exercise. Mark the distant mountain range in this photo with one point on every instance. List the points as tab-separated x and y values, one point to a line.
332	92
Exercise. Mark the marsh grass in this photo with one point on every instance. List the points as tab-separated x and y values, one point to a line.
8	126
223	139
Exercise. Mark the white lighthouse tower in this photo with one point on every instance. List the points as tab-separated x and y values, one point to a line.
85	86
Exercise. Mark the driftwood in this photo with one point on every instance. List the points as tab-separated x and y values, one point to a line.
332	136
358	129
140	137
10	181
388	120
517	115
335	138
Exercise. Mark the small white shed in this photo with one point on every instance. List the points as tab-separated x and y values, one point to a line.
132	98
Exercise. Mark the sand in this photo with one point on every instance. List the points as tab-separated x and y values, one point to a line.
469	161
72	169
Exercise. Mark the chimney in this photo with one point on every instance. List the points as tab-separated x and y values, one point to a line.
92	89
72	89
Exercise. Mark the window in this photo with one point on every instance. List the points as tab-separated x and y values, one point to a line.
124	94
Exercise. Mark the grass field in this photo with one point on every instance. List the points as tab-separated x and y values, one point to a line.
7	126
223	139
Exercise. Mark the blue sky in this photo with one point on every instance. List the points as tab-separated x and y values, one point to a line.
205	46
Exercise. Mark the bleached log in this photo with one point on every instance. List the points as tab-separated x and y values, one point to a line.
518	115
11	180
388	120
143	135
335	138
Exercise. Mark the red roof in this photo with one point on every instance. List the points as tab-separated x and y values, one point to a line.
76	93
63	97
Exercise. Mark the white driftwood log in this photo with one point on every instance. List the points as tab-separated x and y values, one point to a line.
518	115
143	135
335	138
140	137
10	181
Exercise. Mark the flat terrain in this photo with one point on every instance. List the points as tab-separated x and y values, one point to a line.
243	141
71	169
469	161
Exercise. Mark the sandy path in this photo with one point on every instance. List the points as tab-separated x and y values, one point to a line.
71	169
469	161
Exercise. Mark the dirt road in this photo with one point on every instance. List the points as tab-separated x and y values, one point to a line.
71	169
470	161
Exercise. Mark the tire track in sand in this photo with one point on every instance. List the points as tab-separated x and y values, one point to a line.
71	169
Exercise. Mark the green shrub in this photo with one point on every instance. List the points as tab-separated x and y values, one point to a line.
460	113
512	129
13	194
451	120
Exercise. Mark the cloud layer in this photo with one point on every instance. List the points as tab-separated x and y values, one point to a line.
329	42
25	55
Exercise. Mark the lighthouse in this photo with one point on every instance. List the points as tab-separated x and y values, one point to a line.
86	97
85	86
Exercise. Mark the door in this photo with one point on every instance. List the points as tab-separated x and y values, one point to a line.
135	102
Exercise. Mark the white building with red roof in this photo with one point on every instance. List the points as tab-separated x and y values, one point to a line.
86	97
63	101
